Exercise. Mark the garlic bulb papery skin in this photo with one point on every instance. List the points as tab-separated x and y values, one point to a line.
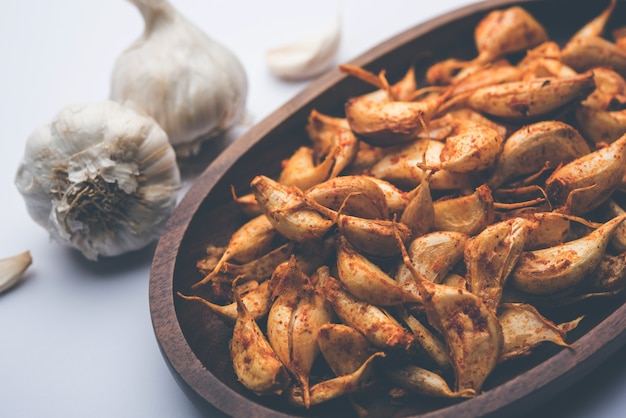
101	178
308	57
193	86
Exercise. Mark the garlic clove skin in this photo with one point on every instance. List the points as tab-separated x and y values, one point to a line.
308	57
193	86
12	270
101	178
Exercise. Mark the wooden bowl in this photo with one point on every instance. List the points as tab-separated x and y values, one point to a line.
194	341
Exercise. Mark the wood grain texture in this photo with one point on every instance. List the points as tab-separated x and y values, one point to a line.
194	341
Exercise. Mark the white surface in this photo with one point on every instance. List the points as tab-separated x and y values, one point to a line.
76	337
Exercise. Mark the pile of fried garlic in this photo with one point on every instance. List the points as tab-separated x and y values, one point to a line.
417	239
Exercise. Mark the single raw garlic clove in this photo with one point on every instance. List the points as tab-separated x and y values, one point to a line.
12	270
308	57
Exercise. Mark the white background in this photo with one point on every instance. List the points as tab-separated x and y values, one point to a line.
76	338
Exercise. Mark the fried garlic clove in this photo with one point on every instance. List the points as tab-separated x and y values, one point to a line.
602	115
366	199
12	269
421	381
505	31
530	148
248	204
586	182
386	117
469	327
257	302
499	33
254	360
527	100
465	113
327	133
432	345
524	328
289	280
596	26
433	255
312	312
609	92
371	236
339	386
491	256
601	126
471	331
555	269
301	171
481	75
396	199
587	49
344	348
287	210
583	54
366	281
465	214
546	229
471	147
250	241
293	322
261	268
419	214
380	328
401	167
544	61
386	124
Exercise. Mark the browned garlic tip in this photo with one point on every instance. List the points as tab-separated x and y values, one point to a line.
12	270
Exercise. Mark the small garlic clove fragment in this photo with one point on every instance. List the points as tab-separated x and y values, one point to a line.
308	57
12	270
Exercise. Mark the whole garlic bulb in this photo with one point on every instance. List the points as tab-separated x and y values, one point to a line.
102	178
193	86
